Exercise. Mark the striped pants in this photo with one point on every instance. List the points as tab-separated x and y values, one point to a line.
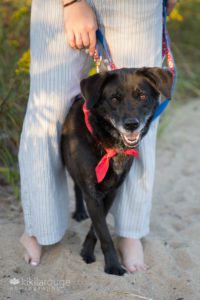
133	30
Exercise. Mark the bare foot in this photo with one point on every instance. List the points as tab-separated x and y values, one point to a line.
132	254
33	249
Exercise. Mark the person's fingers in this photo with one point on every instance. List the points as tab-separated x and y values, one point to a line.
85	39
92	37
71	39
79	42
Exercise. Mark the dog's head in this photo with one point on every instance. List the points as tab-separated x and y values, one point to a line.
127	99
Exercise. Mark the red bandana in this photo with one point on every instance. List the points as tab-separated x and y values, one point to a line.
102	167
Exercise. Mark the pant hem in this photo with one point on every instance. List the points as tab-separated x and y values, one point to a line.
48	240
132	234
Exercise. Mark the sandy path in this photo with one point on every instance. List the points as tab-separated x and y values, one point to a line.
172	249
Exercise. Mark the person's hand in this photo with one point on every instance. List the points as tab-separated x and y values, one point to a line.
80	25
170	6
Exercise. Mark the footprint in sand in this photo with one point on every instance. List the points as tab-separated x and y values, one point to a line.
184	259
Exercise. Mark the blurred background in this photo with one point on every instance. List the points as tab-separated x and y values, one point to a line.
183	27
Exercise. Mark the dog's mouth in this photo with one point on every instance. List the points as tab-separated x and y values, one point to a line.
131	139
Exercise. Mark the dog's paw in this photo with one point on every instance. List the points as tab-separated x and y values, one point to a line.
115	270
87	257
79	216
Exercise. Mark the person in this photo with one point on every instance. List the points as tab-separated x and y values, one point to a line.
133	30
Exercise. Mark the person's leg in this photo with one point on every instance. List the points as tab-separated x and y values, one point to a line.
133	30
55	79
133	205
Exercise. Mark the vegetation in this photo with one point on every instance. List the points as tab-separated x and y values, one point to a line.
14	71
184	34
14	84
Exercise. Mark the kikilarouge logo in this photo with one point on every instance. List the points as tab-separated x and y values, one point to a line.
14	281
38	284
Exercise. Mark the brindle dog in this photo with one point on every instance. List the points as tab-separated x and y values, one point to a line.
122	104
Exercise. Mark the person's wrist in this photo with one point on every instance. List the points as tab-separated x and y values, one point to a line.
68	3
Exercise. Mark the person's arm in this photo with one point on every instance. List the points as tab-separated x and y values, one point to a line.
80	25
170	6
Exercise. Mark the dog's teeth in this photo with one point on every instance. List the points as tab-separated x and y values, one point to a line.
131	141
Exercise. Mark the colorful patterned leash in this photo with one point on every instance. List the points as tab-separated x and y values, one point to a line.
108	61
166	53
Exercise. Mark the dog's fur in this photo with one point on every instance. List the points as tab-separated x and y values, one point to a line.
121	103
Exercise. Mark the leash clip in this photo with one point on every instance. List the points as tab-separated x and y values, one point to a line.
101	64
98	63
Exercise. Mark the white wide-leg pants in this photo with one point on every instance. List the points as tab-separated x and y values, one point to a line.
133	30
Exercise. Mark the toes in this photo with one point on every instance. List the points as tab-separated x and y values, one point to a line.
140	268
136	268
31	261
131	252
131	269
34	263
33	249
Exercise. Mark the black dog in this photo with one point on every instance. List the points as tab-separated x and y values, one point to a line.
121	104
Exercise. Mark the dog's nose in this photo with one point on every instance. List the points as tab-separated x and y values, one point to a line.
131	123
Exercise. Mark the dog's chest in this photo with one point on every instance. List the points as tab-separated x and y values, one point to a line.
121	163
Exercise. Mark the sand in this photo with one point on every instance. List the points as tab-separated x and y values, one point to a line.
172	249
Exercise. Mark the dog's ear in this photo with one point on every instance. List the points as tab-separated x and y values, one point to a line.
91	88
160	79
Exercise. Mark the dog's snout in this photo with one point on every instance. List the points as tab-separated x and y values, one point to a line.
131	123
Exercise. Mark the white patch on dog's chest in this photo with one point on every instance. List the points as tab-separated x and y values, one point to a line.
119	163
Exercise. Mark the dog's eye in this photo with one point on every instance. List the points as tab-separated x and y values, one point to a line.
140	95
143	97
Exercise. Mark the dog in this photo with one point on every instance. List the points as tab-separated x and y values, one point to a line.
120	104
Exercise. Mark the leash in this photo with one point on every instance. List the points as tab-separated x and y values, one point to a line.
166	54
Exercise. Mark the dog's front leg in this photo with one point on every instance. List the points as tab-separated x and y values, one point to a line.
97	213
87	251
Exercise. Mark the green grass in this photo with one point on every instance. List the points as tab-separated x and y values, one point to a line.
185	41
14	41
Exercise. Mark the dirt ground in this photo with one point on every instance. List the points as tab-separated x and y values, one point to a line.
172	249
